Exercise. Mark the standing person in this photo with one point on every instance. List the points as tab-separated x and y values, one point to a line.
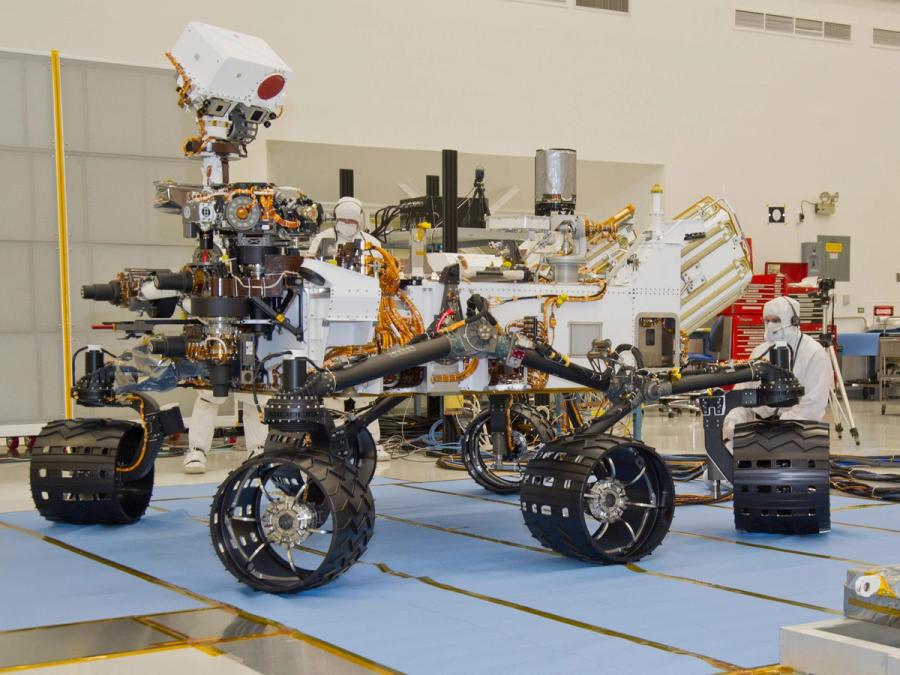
203	428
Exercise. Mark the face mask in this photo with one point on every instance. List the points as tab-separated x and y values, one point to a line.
774	331
345	229
777	332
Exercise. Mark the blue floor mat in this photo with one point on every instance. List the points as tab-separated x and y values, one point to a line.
885	515
165	492
851	543
366	609
743	567
45	585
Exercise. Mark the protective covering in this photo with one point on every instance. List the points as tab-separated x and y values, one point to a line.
779	316
139	370
347	209
873	594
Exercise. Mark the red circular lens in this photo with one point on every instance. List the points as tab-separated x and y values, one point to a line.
270	87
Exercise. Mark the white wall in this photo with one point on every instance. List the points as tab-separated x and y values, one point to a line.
118	140
762	118
603	187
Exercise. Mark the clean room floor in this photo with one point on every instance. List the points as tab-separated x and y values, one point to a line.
451	582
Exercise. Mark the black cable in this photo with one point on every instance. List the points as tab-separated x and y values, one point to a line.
81	349
849	474
802	212
74	356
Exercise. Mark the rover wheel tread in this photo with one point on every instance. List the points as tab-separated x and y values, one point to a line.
353	512
555	498
781	477
73	473
359	453
782	437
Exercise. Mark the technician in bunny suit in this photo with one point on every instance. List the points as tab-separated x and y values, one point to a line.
809	363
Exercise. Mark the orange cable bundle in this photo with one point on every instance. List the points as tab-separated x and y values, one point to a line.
393	327
137	462
201	138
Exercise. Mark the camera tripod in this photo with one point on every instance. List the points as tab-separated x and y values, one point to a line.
837	398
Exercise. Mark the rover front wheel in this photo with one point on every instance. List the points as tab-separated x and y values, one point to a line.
289	522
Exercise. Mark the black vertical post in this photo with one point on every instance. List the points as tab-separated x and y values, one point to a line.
433	407
450	433
450	245
449	175
433	198
432	186
346	183
432	193
293	373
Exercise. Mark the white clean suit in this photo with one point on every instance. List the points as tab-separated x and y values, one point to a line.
809	362
349	226
203	427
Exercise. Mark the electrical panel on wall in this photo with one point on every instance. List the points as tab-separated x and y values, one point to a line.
834	257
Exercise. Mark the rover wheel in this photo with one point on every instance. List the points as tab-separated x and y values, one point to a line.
527	432
598	498
74	477
289	522
781	477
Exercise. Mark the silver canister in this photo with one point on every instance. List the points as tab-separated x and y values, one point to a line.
566	268
554	175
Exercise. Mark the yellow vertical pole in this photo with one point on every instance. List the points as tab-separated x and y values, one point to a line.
63	227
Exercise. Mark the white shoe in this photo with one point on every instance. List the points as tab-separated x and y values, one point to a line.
381	454
254	452
195	461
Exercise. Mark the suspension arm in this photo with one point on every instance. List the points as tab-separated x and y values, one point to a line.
390	362
547	360
777	384
690	383
479	337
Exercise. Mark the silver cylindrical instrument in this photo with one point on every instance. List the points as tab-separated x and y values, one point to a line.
554	175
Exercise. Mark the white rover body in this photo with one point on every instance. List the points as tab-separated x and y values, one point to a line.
671	279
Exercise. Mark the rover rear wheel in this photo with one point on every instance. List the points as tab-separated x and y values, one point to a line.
598	498
289	522
74	476
527	431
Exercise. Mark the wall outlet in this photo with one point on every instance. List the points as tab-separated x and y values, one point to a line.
860	310
845	300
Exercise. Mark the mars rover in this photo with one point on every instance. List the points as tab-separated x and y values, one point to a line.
563	310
